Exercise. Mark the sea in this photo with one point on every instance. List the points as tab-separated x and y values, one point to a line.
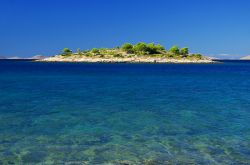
124	114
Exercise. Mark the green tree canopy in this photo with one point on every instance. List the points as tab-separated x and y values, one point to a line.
197	56
184	51
154	49
141	48
127	47
160	47
67	51
175	50
95	51
151	48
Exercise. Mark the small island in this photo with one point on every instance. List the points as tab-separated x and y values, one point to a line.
128	53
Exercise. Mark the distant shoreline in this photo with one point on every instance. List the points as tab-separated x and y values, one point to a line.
21	59
123	60
176	62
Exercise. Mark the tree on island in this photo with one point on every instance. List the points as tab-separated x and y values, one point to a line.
95	51
155	49
175	50
141	48
184	51
127	47
197	56
67	51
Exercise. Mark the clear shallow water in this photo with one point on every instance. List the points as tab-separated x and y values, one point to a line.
52	113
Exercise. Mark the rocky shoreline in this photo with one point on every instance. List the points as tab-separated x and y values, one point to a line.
124	60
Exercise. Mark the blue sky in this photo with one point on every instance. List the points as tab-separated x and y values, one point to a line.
218	28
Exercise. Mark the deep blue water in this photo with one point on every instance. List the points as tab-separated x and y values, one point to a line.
52	113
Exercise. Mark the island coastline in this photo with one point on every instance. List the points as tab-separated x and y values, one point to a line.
123	60
128	53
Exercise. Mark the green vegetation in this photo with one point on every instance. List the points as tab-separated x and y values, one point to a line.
129	48
155	49
140	49
174	50
184	52
66	51
95	51
196	56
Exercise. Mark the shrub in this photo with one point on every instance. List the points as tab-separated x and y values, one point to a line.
151	48
197	56
88	54
175	50
159	47
141	48
95	51
184	51
66	51
169	55
118	55
154	49
127	47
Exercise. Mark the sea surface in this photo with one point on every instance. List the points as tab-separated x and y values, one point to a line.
124	114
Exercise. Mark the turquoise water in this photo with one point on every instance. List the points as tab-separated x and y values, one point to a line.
68	113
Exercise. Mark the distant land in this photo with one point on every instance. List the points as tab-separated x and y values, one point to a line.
37	57
129	53
14	58
245	58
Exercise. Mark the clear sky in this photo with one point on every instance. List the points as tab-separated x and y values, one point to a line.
218	28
